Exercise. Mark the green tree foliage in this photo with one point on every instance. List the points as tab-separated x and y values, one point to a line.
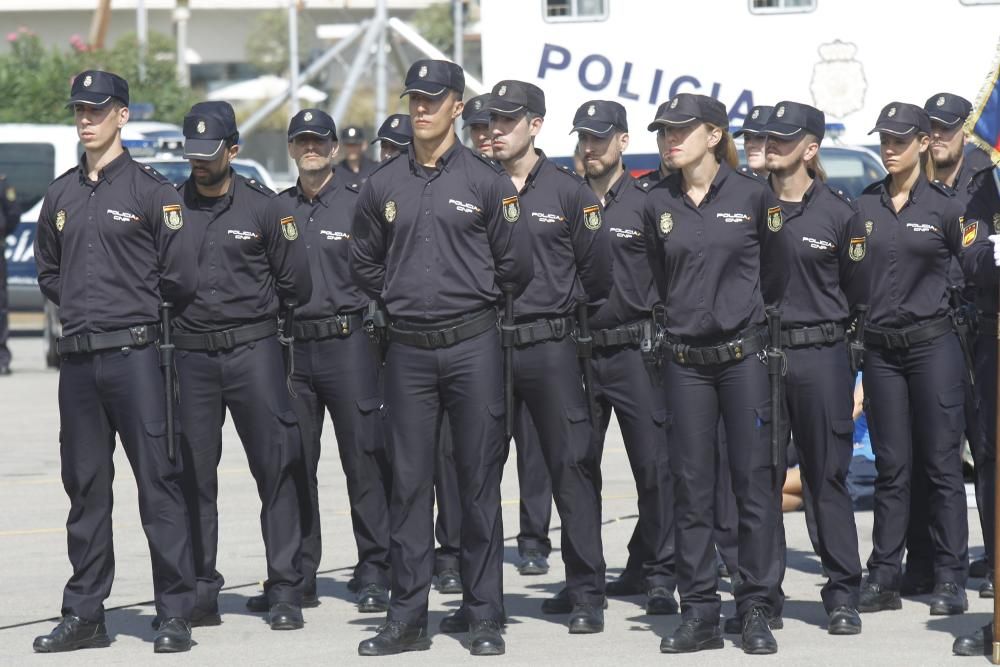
267	43
436	24
38	80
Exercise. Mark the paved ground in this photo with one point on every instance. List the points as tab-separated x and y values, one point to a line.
34	568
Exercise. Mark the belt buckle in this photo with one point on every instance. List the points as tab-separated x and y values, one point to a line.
83	343
828	329
896	340
139	334
344	324
558	328
435	339
736	348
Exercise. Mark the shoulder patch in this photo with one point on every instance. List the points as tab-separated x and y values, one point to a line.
288	228
969	231
774	219
172	218
152	173
592	217
511	208
858	248
254	184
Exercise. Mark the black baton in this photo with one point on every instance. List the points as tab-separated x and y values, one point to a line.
584	350
167	364
507	341
775	369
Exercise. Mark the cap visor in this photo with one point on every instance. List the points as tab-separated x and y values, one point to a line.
509	110
781	130
479	118
428	91
672	120
202	149
312	130
595	127
91	99
397	140
894	128
947	119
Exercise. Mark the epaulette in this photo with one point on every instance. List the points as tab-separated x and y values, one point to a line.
843	196
152	173
647	180
569	172
943	188
381	165
872	188
66	173
354	185
751	174
254	184
493	164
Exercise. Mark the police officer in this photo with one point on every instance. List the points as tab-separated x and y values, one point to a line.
824	288
476	120
573	255
356	159
716	234
112	244
958	168
394	136
914	372
436	238
334	368
10	218
753	138
618	328
250	261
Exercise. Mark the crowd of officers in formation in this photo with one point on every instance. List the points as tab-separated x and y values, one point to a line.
446	299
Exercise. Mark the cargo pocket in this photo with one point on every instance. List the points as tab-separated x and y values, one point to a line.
288	437
582	443
952	403
496	411
369	430
763	425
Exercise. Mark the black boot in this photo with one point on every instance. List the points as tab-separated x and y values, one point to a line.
978	643
948	599
586	619
396	637
533	563
174	636
285	616
72	633
693	634
876	597
661	602
844	621
485	639
373	599
757	638
449	582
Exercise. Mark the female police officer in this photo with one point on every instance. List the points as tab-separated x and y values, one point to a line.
913	363
711	228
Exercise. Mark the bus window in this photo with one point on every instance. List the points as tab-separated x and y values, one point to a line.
575	10
781	6
29	168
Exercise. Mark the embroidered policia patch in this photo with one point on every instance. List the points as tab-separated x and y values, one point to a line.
60	220
511	209
666	222
969	230
774	218
171	217
592	218
857	250
288	228
389	211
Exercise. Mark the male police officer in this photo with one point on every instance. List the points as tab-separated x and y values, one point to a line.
334	368
356	160
436	238
112	244
229	356
573	256
620	381
394	136
10	217
476	119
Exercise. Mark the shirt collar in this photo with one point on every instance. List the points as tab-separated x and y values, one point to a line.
533	174
110	171
444	162
618	187
324	194
212	203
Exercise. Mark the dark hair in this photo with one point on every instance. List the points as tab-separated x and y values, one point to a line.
232	140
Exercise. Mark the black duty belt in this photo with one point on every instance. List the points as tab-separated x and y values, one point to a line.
539	331
339	326
627	334
747	343
136	336
226	339
821	334
442	334
901	339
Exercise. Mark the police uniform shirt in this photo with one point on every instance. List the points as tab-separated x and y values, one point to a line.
109	251
633	293
325	227
715	263
826	242
365	168
976	166
982	217
435	244
909	252
571	248
249	259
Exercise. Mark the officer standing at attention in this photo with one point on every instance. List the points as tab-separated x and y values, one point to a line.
10	218
573	267
250	260
356	160
476	119
753	138
394	136
914	379
620	379
717	261
334	368
825	287
436	239
111	246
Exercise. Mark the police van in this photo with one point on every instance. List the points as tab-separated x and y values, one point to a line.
846	57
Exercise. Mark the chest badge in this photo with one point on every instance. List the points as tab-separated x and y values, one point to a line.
969	231
592	218
869	226
666	223
60	220
389	211
858	247
172	217
774	220
511	209
288	228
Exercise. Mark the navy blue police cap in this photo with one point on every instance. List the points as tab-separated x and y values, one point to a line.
352	134
755	121
512	98
475	111
901	119
790	120
98	89
947	109
206	127
687	109
312	121
396	129
600	117
433	78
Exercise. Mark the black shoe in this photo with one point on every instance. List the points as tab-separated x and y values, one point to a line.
693	634
661	602
395	637
173	636
978	643
757	638
911	586
72	633
586	619
623	587
734	624
844	621
285	616
948	599
533	563
561	604
373	599
258	603
979	568
200	618
449	582
876	597
485	639
454	623
986	590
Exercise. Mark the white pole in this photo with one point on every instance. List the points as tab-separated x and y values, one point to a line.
181	16
142	33
293	56
458	19
380	66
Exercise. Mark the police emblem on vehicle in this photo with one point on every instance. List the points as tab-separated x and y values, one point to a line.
307	116
666	223
201	127
969	232
869	226
87	80
288	228
996	223
389	211
511	209
774	218
857	250
172	216
60	220
592	217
